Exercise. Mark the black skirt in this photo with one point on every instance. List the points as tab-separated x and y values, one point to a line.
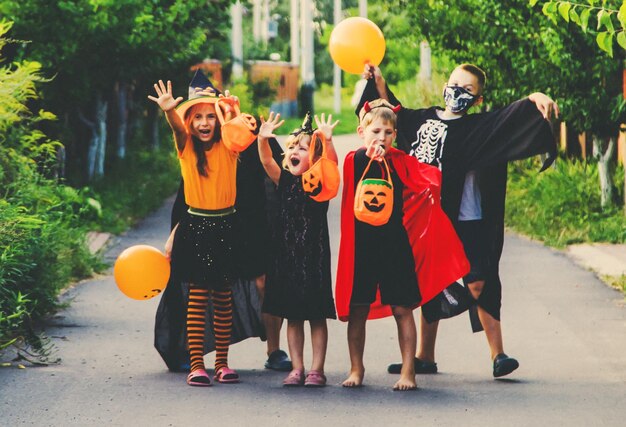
204	251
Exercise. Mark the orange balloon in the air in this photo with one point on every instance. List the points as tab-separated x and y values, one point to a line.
141	272
355	42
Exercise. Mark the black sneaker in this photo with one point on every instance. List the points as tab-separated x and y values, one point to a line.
421	367
278	361
504	365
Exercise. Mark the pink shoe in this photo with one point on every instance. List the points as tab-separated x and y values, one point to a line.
295	378
226	376
315	379
199	378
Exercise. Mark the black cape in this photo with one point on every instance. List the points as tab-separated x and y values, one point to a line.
255	206
484	143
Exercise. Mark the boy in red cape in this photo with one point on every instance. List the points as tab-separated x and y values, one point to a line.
398	266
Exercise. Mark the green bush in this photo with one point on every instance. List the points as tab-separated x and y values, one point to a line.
134	187
561	206
42	241
254	98
43	249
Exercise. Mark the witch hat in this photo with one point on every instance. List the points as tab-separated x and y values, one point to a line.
201	90
306	127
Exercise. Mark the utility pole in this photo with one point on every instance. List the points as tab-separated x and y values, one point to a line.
236	41
256	20
363	8
295	32
425	62
360	85
265	21
307	66
336	69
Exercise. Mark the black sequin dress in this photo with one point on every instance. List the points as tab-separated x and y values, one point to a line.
299	285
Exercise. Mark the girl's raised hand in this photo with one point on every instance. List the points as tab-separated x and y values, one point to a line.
326	126
266	130
165	99
228	102
228	98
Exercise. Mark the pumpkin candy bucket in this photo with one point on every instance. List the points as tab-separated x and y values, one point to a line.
373	198
238	132
321	181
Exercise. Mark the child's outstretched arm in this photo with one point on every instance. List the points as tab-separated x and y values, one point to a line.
372	71
544	104
326	127
266	131
168	104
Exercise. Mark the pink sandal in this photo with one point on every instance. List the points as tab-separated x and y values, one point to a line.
226	376
315	379
295	378
199	378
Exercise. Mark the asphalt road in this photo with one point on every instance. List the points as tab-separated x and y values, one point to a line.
566	328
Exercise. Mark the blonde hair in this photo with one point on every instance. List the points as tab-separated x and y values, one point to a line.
293	140
378	109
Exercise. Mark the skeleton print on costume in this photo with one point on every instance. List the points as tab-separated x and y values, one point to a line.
428	147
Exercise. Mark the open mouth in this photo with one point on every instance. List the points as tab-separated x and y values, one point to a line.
204	132
294	161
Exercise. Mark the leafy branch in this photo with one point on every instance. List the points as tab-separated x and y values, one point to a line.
610	21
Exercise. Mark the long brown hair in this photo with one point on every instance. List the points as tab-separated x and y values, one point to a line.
198	146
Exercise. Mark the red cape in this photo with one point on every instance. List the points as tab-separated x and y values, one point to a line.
439	256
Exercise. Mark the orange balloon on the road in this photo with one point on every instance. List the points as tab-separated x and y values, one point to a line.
141	272
355	42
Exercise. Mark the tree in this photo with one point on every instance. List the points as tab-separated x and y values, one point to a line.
605	17
610	16
522	52
100	50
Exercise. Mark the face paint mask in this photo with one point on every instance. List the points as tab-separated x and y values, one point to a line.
458	99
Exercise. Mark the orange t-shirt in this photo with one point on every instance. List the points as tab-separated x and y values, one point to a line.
218	189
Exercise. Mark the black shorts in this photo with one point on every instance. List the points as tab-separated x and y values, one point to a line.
383	260
474	239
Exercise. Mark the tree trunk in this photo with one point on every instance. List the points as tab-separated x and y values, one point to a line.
604	170
122	116
101	126
93	146
236	11
97	142
154	125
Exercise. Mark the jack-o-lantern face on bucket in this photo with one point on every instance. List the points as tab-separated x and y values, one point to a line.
373	198
373	201
321	181
312	184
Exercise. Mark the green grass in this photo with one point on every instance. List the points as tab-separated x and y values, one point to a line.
323	102
617	282
561	206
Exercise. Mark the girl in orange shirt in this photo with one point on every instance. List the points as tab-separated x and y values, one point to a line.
203	244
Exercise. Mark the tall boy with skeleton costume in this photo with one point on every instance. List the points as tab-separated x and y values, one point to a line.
471	150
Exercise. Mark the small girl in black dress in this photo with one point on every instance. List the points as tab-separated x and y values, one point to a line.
299	283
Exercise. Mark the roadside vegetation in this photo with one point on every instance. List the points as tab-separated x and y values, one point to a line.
561	206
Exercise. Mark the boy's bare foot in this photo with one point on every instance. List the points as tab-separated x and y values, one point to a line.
405	384
355	379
